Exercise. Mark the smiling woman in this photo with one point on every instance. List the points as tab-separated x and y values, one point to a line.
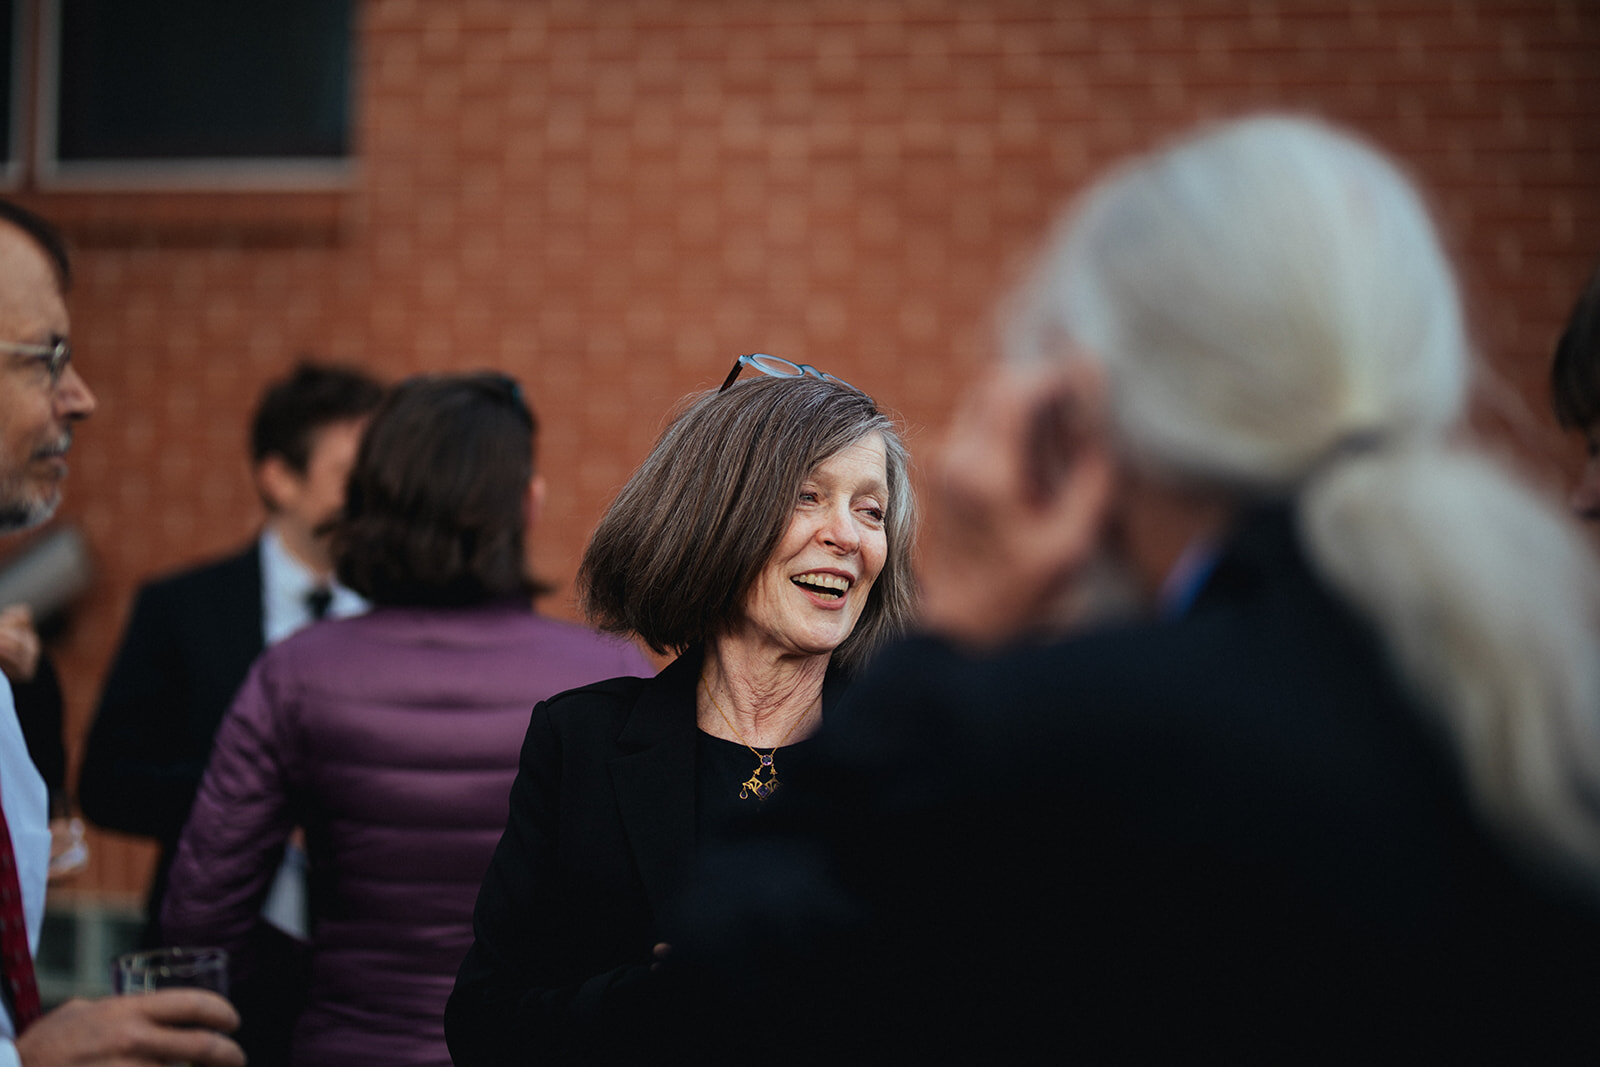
766	541
680	549
814	586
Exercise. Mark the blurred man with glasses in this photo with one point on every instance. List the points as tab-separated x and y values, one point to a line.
42	398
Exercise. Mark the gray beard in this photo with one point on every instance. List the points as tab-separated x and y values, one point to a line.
17	512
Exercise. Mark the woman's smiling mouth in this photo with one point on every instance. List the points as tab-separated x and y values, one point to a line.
829	586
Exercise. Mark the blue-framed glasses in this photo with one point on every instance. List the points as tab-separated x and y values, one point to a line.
54	356
778	367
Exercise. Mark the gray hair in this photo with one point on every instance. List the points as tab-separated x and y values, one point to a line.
675	556
1276	316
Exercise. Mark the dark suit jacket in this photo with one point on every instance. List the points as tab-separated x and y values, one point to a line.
1234	836
38	702
601	830
602	823
189	643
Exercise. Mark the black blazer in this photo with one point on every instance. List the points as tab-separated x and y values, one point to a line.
602	823
1233	836
602	829
189	642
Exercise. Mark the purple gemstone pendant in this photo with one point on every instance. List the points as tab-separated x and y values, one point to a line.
762	788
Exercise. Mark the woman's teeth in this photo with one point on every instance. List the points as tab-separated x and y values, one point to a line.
828	585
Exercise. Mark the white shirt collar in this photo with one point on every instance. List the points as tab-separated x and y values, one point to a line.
285	581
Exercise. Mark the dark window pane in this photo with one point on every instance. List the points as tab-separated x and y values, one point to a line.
196	79
8	47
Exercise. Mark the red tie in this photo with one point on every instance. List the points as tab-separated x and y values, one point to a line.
21	986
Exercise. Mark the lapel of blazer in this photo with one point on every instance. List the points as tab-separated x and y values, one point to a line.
654	778
240	633
223	629
252	618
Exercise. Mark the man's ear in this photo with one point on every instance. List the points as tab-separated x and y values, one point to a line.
277	482
1022	489
533	501
1069	465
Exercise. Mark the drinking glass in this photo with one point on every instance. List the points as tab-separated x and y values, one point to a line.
69	852
171	968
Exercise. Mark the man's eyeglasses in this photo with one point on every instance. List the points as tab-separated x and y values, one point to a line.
54	356
778	367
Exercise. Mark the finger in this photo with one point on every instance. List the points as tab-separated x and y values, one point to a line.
187	1007
203	1047
16	642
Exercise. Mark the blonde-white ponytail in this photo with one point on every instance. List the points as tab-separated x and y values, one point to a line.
1277	318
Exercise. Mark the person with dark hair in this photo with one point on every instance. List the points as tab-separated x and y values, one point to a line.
765	540
192	636
391	737
42	398
1575	392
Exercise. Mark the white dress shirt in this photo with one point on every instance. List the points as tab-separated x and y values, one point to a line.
285	583
27	808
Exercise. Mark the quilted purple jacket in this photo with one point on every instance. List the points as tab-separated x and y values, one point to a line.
392	738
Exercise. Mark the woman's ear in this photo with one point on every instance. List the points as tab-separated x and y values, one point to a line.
533	501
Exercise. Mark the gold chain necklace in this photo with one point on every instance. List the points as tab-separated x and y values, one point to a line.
755	784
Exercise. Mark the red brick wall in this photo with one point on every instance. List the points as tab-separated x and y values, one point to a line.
612	198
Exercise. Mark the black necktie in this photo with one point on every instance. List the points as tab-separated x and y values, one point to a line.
317	602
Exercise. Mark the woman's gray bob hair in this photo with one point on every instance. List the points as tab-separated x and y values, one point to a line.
678	551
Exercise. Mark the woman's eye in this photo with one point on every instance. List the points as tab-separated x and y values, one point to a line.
807	496
873	513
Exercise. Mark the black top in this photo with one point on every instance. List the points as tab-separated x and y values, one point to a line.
1233	836
723	770
606	815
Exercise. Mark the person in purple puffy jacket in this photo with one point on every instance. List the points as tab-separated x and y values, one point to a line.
392	738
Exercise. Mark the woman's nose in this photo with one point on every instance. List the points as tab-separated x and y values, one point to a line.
840	531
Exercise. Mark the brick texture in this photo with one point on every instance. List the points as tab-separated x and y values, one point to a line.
610	200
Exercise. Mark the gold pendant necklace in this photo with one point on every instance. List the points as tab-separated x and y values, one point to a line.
755	784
